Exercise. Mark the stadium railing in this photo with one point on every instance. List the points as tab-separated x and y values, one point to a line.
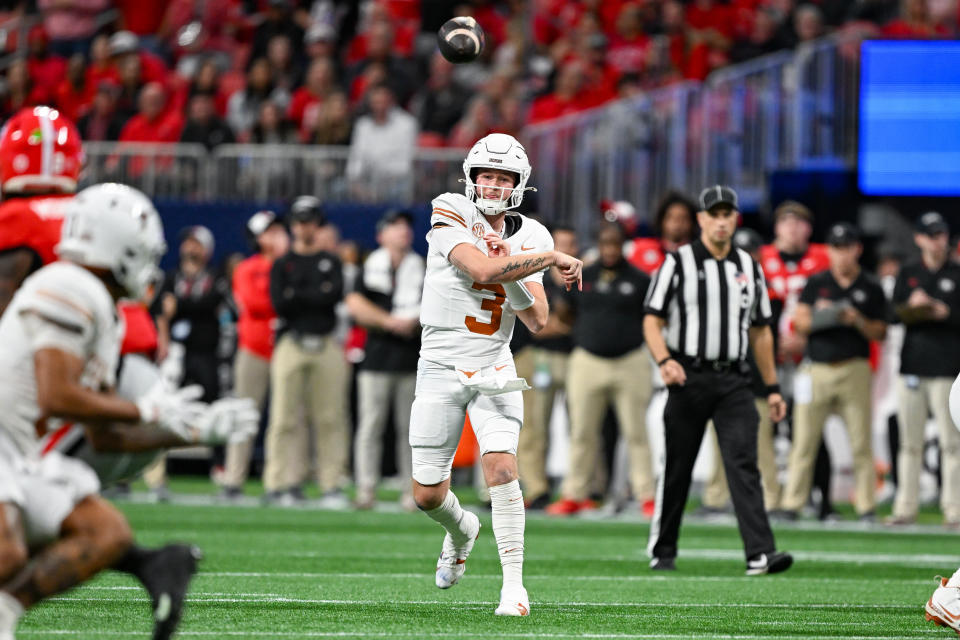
787	110
266	172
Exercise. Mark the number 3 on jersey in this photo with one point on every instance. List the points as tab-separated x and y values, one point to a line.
493	305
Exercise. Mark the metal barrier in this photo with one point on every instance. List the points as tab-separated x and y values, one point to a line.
161	170
789	109
266	172
785	110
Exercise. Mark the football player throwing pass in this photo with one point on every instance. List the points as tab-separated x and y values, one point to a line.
485	268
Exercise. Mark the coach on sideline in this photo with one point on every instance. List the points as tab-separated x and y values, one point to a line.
712	299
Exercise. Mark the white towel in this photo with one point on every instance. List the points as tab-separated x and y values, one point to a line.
490	383
378	276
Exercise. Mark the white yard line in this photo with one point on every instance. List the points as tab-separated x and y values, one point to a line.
426	575
421	634
270	598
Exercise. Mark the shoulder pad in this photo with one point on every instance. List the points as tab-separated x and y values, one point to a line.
453	209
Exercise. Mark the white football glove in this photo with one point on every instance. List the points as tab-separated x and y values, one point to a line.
173	410
232	420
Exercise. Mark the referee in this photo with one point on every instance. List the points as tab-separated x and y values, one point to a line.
712	300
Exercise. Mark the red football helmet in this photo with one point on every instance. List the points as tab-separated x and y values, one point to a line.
40	152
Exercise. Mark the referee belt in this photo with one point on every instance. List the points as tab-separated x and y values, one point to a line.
720	366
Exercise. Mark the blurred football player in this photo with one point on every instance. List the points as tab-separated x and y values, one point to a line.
485	268
59	346
40	162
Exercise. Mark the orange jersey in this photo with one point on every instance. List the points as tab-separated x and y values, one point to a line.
33	223
786	279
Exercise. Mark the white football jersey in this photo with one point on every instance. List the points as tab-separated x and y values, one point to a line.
465	323
61	306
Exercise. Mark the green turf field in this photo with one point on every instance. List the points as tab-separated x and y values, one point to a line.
293	573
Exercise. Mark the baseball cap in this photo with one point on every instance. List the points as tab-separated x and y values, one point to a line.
394	215
843	234
793	208
307	209
261	221
932	223
319	32
747	239
123	42
201	234
717	194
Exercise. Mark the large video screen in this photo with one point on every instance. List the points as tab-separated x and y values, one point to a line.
910	118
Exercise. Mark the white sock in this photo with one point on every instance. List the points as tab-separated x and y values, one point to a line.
10	612
509	519
450	516
954	580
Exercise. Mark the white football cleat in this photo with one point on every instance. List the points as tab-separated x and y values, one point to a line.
943	607
513	602
453	559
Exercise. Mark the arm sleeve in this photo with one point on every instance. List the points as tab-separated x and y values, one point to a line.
878	309
278	282
762	311
901	291
46	333
448	227
661	290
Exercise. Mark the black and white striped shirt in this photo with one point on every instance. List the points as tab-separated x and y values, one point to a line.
709	304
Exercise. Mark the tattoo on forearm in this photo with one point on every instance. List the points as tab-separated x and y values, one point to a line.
522	265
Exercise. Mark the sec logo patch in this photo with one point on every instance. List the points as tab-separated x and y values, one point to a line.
478	230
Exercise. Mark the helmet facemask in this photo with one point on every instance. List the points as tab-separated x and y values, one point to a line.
502	202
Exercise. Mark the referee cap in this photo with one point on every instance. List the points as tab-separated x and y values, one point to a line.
717	194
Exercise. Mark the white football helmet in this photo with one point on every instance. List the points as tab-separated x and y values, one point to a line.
113	226
497	151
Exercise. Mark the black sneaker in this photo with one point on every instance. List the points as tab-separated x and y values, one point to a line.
773	562
166	578
663	564
539	503
784	515
231	493
870	517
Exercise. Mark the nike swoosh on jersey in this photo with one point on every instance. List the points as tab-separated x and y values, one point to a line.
523	248
500	367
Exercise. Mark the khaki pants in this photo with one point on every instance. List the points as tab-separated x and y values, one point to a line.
593	383
377	393
925	395
315	380
251	379
537	410
842	388
716	494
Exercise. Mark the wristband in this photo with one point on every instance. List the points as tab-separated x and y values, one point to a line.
664	361
518	295
773	388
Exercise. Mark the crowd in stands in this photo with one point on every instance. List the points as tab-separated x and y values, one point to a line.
305	71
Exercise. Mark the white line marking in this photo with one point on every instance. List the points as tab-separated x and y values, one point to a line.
260	598
496	576
421	634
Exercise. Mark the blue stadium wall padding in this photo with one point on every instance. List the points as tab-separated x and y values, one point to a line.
227	221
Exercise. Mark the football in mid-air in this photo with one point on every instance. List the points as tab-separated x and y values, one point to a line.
460	39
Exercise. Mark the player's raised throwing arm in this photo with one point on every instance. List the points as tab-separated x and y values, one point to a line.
486	270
